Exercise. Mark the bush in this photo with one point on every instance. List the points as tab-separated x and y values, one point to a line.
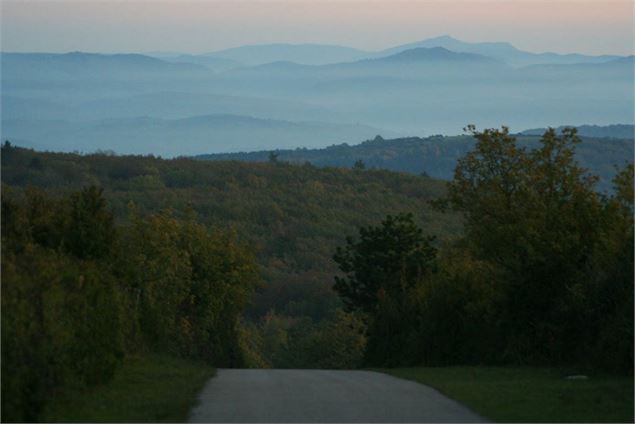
60	325
77	293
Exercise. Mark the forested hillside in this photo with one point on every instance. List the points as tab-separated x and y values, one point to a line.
437	155
608	131
288	212
291	216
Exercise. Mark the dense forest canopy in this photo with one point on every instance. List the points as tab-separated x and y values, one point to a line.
438	155
293	216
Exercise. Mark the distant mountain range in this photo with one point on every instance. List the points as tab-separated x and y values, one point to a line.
315	94
218	64
320	54
502	51
432	54
323	54
307	54
176	137
46	66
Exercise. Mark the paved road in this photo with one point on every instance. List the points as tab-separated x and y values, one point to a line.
322	396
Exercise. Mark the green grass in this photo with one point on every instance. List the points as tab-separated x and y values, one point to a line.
151	388
530	394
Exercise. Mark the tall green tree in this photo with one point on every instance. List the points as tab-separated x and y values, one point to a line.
89	230
61	311
609	299
390	258
536	216
382	269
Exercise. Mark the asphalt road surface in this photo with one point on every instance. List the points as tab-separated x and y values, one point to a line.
255	395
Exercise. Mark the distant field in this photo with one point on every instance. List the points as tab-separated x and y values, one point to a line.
530	394
145	389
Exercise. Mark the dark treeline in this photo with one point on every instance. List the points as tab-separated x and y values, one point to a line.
437	155
79	293
543	274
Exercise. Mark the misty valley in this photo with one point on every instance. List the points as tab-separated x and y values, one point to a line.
288	96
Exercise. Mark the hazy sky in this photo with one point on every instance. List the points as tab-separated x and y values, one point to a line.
564	26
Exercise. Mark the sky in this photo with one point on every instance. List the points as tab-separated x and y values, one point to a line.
201	26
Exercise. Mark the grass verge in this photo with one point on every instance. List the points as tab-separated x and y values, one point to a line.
530	394
152	388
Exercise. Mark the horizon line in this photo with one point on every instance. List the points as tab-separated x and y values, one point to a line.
306	44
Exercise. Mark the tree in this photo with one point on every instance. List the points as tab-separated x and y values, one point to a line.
387	258
336	343
535	215
89	228
609	299
61	308
359	165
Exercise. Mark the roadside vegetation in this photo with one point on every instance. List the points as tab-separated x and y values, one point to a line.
147	388
511	394
80	295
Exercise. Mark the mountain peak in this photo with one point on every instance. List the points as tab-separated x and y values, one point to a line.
421	54
442	38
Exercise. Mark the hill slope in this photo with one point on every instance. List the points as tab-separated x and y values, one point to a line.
437	155
46	66
626	132
294	216
426	54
